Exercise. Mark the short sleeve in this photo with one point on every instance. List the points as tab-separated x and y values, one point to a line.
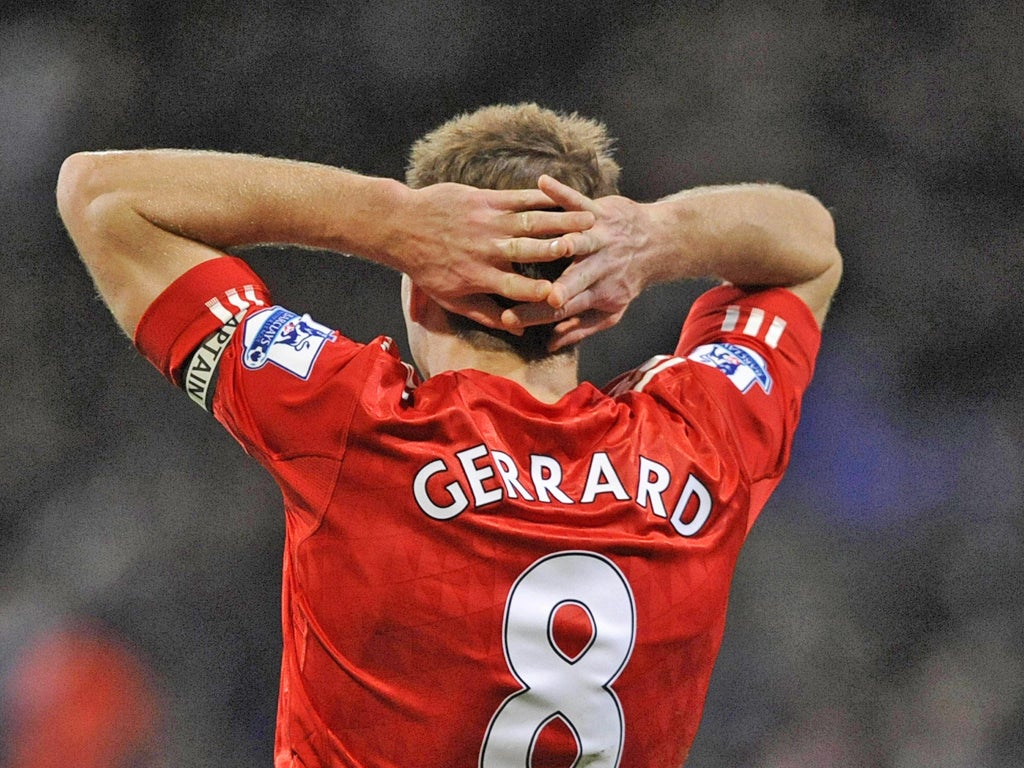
268	374
211	296
753	353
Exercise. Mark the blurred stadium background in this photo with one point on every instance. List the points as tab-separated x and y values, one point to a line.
877	617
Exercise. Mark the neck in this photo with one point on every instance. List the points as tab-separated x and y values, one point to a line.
547	380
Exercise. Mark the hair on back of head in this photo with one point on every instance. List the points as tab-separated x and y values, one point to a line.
509	147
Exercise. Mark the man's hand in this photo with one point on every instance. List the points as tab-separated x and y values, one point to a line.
459	244
596	289
752	235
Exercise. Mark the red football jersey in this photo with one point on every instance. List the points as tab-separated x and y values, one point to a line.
474	577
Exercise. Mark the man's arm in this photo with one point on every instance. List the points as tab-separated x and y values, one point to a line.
756	235
140	219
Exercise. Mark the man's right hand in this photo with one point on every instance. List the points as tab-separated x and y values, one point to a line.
141	219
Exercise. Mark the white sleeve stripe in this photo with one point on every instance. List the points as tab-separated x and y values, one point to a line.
410	380
654	361
250	294
771	338
732	317
236	300
664	364
219	310
753	326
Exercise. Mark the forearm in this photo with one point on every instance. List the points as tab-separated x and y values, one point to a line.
748	235
140	219
224	200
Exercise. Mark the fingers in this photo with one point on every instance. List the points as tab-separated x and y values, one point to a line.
539	223
518	199
575	329
534	209
525	315
542	313
518	287
571	284
531	233
481	309
565	196
529	227
570	330
525	250
558	296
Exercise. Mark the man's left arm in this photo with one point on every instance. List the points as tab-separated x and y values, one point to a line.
141	219
749	235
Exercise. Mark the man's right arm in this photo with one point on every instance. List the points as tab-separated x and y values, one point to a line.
141	219
749	235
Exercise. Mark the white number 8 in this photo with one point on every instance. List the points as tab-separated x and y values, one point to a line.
577	690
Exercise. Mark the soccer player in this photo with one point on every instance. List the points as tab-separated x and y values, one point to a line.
493	564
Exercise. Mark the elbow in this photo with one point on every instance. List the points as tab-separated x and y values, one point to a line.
834	259
807	218
818	218
88	199
831	259
820	227
76	187
96	209
83	181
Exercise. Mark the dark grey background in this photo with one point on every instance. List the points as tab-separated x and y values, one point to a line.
876	617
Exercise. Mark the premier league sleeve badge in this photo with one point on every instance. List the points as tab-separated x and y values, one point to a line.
290	342
744	367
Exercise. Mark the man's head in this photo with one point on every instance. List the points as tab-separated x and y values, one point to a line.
510	147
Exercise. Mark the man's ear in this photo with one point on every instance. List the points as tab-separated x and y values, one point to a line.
415	300
419	304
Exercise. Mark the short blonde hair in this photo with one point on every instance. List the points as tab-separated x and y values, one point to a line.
508	147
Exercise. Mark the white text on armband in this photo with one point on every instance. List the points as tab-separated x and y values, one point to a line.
480	476
201	372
